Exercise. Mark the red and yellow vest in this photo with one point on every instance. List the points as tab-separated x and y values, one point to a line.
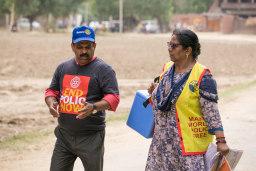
193	131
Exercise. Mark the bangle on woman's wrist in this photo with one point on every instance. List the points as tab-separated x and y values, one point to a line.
221	141
220	138
94	106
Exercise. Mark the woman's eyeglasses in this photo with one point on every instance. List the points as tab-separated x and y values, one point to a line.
172	45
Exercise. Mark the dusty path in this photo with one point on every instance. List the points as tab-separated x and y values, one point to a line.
126	150
240	125
24	77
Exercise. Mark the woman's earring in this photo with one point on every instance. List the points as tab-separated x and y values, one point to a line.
187	55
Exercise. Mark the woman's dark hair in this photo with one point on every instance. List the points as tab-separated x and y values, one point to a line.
188	38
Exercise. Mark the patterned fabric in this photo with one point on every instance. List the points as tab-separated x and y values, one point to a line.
166	99
208	88
165	153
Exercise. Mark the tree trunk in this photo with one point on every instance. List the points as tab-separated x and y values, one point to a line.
70	23
12	15
161	26
50	23
30	25
7	21
48	19
31	19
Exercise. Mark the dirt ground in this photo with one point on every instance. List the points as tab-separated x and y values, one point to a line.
133	56
126	150
28	61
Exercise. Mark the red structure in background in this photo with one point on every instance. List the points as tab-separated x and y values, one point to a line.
224	16
245	8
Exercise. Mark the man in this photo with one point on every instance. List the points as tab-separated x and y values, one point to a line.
81	90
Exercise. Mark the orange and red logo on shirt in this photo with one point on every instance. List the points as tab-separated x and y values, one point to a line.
74	92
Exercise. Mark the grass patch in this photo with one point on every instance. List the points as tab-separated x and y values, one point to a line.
22	140
230	91
117	117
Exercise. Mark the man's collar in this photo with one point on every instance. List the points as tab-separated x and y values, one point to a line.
87	63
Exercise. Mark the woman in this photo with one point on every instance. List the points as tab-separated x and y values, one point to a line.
185	109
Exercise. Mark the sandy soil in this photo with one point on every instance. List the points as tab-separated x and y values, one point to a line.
28	61
126	150
133	56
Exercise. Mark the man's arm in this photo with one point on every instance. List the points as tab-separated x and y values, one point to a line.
111	99
52	104
52	93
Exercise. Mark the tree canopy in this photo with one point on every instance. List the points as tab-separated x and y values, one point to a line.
191	6
134	10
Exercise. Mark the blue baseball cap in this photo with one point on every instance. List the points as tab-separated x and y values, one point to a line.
83	33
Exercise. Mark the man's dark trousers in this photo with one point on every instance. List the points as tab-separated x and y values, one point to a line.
88	147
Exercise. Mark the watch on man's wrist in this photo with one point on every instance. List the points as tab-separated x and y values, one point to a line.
93	106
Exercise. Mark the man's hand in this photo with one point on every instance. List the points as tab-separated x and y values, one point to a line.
85	111
53	106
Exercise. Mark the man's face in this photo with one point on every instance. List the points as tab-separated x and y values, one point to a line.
84	51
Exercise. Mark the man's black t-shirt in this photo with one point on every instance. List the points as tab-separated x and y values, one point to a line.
78	84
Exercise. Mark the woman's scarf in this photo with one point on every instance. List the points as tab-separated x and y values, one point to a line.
165	101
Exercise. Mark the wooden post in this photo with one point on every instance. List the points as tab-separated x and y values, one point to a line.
7	21
12	17
120	16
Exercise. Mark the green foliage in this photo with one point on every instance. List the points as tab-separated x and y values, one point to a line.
41	7
155	9
191	6
5	6
150	9
61	7
28	8
133	9
102	10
